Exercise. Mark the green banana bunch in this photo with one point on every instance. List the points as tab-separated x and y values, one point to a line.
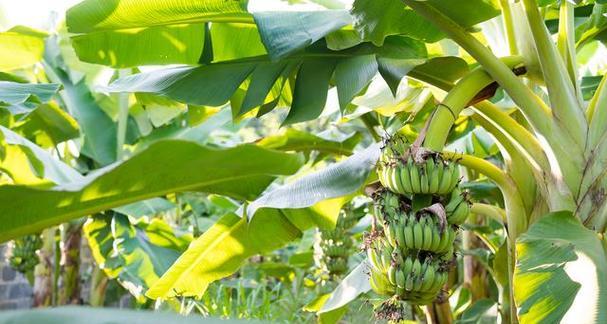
410	279
417	214
23	256
336	245
458	207
410	231
434	176
337	265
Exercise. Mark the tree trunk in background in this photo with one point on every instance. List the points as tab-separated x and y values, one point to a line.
43	280
99	282
439	313
70	264
475	274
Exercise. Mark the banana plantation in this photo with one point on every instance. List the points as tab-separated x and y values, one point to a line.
303	161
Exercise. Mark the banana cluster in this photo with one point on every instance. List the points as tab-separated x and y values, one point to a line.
406	177
23	256
417	214
407	277
335	245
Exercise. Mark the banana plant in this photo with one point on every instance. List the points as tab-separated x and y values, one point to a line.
524	79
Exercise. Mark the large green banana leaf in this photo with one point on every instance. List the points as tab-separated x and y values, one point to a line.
223	248
376	19
179	44
97	15
561	272
164	167
175	44
282	33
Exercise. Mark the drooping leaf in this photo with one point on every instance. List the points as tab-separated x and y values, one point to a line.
22	98
560	272
54	169
221	250
336	180
352	76
180	44
354	284
136	254
98	128
48	125
394	70
310	94
215	84
376	19
299	141
285	32
97	15
164	167
80	314
263	79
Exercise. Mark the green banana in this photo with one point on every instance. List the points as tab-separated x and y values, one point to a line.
409	283
441	279
392	274
379	284
416	268
427	242
405	177
400	278
400	235
374	259
454	176
434	179
415	178
397	179
418	236
417	284
445	181
407	265
446	240
424	183
429	277
386	257
390	231
436	237
408	235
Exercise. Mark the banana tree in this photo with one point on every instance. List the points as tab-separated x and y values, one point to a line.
524	78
